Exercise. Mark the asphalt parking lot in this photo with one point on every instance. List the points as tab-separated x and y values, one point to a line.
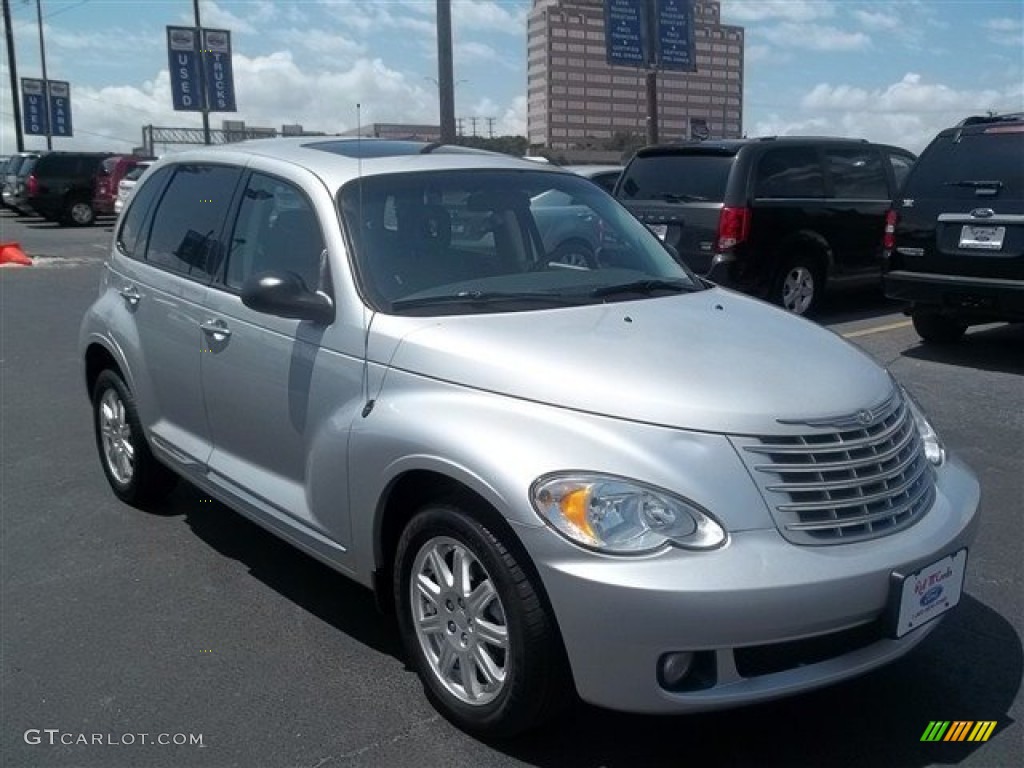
189	620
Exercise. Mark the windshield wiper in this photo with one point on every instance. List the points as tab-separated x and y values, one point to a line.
976	184
482	297
673	198
644	286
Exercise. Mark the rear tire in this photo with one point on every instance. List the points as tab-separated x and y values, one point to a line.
79	213
936	328
798	285
135	476
475	627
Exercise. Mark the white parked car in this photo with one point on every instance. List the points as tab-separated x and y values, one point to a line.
128	184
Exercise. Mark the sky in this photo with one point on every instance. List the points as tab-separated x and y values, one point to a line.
896	71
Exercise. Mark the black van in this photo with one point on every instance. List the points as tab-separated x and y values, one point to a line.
778	217
60	187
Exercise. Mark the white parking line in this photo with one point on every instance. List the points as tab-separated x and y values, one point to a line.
877	329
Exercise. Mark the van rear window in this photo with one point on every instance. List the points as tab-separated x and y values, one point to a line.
951	169
677	177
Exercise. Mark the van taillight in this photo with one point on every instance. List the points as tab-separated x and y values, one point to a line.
889	238
32	185
733	227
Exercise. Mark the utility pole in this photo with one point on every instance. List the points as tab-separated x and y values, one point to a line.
651	79
202	70
46	80
460	121
12	69
445	71
490	127
473	120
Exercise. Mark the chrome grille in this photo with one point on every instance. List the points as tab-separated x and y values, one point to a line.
851	484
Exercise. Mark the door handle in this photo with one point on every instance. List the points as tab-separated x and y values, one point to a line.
215	328
130	294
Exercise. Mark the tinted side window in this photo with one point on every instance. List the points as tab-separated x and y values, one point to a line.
276	229
901	165
133	221
790	172
187	223
857	173
59	165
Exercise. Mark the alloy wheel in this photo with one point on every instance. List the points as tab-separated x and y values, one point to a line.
459	620
116	435
798	290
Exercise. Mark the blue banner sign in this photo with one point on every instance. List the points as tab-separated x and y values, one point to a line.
185	69
33	106
60	108
676	48
625	38
220	85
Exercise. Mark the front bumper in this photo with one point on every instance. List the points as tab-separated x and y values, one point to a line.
967	297
619	616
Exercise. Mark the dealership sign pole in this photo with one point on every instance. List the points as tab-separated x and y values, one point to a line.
202	79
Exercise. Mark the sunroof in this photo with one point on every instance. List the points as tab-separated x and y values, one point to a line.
369	147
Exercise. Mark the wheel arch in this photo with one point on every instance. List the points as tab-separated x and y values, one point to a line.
809	243
98	357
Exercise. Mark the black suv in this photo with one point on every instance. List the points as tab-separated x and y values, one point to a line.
778	217
954	240
60	187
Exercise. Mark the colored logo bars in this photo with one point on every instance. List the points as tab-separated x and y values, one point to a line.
200	68
46	107
958	730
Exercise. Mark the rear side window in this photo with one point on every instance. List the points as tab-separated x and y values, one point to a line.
857	173
790	172
185	236
951	169
901	165
129	240
60	165
683	178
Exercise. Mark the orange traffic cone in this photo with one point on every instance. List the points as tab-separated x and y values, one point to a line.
11	253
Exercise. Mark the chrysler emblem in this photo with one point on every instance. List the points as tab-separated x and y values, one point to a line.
865	417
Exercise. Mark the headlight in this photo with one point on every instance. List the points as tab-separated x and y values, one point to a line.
934	451
621	516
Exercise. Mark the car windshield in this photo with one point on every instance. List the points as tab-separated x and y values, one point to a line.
451	242
677	177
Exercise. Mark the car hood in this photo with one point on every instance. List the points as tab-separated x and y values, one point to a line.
714	361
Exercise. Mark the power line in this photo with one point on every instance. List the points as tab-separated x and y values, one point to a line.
5	113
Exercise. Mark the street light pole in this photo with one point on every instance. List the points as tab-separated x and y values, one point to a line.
46	80
12	68
202	74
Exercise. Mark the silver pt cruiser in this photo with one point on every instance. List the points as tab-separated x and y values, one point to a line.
599	475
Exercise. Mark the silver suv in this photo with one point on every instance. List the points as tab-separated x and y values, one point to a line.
613	478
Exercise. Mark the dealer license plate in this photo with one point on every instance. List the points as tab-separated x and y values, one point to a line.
659	229
930	592
986	238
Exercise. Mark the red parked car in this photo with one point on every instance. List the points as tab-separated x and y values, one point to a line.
109	177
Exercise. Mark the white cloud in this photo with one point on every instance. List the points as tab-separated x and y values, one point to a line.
815	37
215	17
744	11
1005	31
513	122
908	113
467	53
324	43
877	19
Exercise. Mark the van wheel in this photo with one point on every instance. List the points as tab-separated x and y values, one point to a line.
135	476
79	213
574	253
938	329
474	626
798	285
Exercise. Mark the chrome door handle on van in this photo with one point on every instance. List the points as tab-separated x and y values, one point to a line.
215	328
130	294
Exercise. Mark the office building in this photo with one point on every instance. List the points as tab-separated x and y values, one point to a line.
575	99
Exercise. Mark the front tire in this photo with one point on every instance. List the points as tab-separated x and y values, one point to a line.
574	253
938	329
798	285
475	627
135	476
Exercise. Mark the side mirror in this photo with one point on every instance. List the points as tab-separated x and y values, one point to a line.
285	294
